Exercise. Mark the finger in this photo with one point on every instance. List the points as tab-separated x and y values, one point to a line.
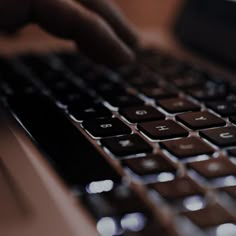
95	37
111	13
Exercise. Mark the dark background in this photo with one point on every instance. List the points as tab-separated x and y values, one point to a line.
210	27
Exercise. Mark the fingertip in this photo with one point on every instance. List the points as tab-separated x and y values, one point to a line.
128	56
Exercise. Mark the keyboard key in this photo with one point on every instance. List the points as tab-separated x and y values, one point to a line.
61	85
176	105
188	80
222	137
210	216
120	207
164	129
108	89
140	81
187	147
89	112
231	190
106	85
223	108
150	164
106	127
210	92
73	97
115	203
141	113
40	65
179	188
200	120
214	167
126	145
69	151
123	100
158	92
153	229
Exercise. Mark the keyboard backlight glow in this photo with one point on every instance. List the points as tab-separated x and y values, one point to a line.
193	203
165	176
226	230
133	222
100	186
107	226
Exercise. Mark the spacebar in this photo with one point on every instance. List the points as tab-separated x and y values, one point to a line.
68	150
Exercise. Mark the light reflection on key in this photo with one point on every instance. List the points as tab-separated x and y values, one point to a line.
100	186
226	230
229	181
133	222
107	226
194	203
165	176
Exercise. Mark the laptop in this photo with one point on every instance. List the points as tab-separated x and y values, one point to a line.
147	149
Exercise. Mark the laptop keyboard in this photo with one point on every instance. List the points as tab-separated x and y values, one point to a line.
150	148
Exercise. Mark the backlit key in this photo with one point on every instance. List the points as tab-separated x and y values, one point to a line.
187	147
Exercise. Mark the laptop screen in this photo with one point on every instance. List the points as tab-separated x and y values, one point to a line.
210	27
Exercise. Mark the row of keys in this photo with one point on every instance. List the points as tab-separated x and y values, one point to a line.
164	129
158	130
137	114
133	144
155	164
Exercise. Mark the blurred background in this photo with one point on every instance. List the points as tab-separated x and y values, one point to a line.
149	16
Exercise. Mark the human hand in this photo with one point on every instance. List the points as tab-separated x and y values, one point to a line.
98	27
